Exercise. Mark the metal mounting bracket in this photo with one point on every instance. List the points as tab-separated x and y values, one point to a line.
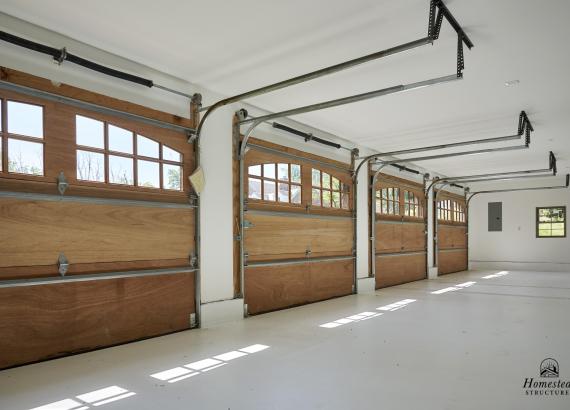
62	183
62	264
193	200
193	259
193	323
248	224
242	114
196	99
192	136
62	56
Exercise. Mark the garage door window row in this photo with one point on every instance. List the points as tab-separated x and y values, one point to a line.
450	210
284	183
389	201
279	182
107	153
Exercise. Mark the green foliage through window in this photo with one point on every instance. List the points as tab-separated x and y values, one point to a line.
551	222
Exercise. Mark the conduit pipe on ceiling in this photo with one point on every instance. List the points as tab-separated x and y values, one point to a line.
434	26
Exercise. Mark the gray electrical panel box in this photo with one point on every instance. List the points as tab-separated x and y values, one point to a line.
495	216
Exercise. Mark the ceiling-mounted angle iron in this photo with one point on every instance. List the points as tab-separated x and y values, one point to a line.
524	128
434	25
503	175
493	191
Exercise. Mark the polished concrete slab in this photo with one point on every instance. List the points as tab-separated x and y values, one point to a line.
469	347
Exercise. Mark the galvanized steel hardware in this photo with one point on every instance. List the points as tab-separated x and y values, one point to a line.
193	260
62	183
62	264
92	277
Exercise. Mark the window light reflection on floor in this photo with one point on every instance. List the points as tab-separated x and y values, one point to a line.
453	288
496	275
86	400
396	305
205	365
445	290
465	285
350	319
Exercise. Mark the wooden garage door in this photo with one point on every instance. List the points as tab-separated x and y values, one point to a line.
299	235
400	231
452	233
124	226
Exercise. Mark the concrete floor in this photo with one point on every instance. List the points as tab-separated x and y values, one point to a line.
468	348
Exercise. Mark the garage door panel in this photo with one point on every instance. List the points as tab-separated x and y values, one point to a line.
452	236
388	236
269	288
413	237
445	236
451	261
331	279
45	321
276	287
394	270
89	233
282	237
460	237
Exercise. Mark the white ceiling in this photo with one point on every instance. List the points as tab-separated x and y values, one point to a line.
231	47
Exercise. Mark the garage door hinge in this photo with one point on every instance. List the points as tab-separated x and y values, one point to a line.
245	256
62	264
192	320
62	183
193	260
247	224
193	200
308	252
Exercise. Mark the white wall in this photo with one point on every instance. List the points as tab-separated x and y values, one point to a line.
517	247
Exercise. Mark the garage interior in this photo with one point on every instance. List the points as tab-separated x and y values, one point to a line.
284	205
